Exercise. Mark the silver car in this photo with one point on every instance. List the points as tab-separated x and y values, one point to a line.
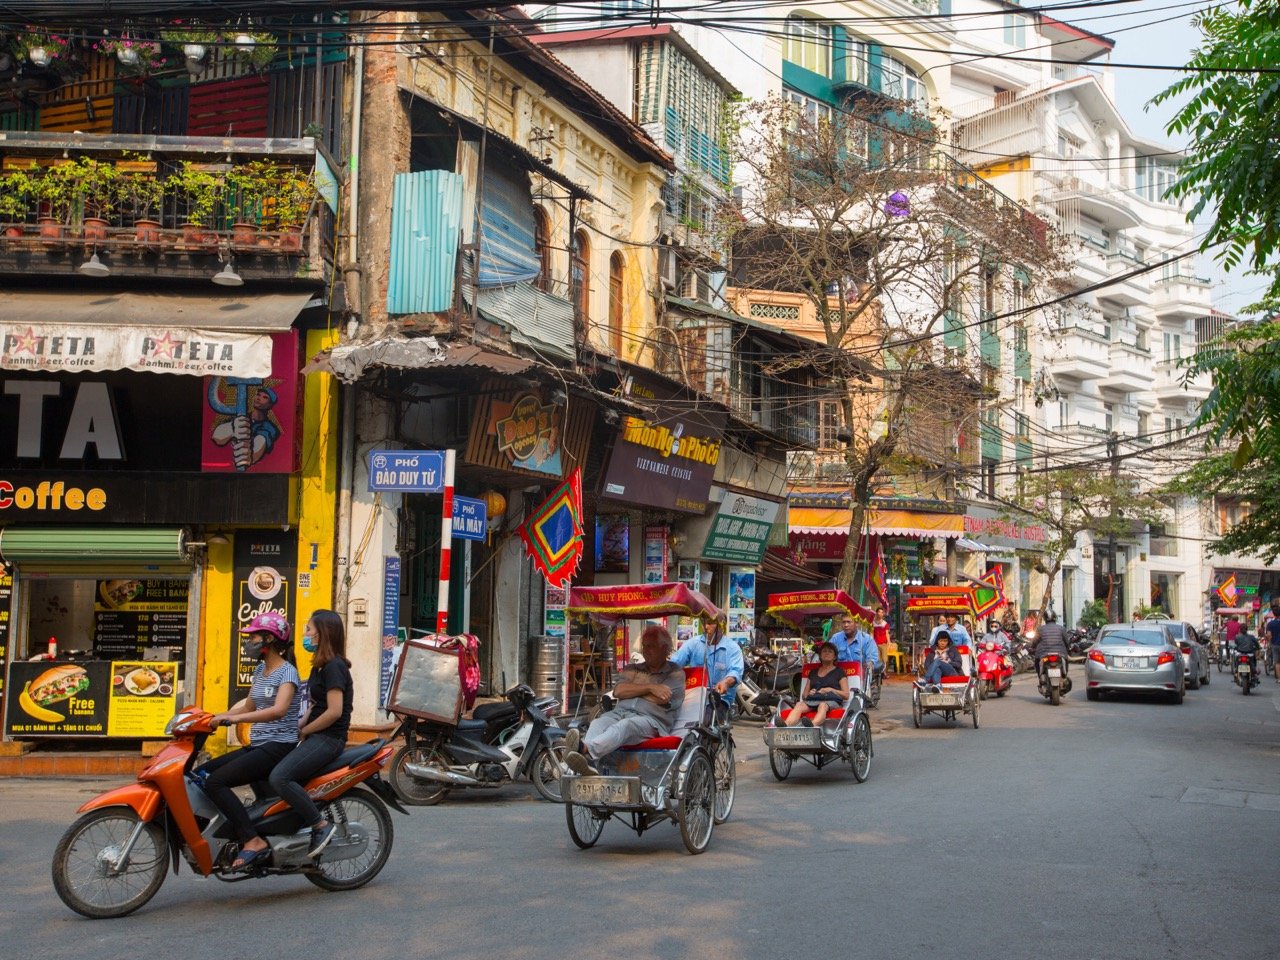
1140	657
1195	657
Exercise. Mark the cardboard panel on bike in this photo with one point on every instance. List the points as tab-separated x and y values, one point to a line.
427	683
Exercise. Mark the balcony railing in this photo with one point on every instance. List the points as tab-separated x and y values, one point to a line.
167	206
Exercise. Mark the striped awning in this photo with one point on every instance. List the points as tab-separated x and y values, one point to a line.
832	521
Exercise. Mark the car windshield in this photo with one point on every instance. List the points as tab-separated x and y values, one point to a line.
1150	638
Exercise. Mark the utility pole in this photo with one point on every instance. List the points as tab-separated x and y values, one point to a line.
1113	448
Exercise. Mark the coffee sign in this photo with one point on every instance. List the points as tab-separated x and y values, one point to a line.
529	433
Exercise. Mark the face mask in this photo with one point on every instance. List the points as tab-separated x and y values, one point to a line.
309	644
254	648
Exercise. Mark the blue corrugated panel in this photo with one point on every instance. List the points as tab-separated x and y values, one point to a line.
426	216
507	250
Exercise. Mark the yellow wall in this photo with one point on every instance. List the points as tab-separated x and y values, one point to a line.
315	509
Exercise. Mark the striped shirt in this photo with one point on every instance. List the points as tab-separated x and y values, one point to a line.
262	694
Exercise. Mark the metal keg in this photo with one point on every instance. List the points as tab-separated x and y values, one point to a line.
548	667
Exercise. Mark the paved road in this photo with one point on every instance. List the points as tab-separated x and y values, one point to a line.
1116	830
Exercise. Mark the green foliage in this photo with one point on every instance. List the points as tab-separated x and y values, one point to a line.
200	188
1253	485
1093	615
17	195
1233	119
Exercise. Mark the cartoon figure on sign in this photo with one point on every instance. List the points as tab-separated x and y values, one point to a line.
247	422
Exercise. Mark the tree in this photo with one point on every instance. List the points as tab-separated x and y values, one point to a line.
895	247
1252	485
1076	498
1233	118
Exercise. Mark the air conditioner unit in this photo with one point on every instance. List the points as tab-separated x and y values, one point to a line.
689	284
667	267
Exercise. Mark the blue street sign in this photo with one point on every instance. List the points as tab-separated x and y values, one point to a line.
470	518
408	471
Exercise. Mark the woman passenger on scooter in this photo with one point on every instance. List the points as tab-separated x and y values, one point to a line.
272	708
826	686
324	732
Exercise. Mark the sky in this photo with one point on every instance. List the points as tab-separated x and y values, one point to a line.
1140	38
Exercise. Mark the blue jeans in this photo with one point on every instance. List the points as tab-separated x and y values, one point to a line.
937	670
301	764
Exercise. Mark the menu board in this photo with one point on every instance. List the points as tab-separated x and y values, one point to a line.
140	619
6	600
134	698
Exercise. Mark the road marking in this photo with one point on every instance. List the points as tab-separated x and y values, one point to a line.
1232	798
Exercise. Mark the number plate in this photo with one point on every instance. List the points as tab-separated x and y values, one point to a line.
1244	668
941	700
795	738
1132	663
604	790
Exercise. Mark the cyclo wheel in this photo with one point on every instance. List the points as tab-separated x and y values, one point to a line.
860	749
917	711
698	803
780	763
976	706
585	824
411	790
367	809
726	779
82	860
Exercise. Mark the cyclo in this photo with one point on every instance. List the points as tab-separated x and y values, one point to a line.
845	735
959	694
687	777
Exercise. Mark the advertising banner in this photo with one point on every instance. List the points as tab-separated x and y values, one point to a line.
142	619
528	433
740	530
250	423
390	622
58	699
143	698
265	570
95	348
741	608
668	461
655	554
6	603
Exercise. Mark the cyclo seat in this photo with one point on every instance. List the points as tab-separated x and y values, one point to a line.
690	715
852	669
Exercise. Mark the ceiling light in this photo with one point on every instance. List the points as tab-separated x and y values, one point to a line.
93	267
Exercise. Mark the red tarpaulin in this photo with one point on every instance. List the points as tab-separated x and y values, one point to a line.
797	605
640	601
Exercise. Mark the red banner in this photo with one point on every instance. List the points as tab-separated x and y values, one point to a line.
640	601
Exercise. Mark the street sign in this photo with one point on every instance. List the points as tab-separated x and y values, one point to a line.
470	518
407	471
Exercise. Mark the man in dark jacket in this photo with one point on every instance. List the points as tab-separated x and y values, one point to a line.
1051	638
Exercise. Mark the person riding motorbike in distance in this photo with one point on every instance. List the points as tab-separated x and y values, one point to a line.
721	656
1247	643
1051	639
995	634
649	697
826	686
272	709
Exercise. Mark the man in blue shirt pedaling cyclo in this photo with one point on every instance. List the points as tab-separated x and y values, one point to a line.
854	644
722	658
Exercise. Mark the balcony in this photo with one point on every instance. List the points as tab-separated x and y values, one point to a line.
1170	388
1180	296
1100	200
1082	354
1131	370
167	207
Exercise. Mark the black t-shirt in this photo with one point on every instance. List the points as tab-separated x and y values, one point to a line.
829	683
334	675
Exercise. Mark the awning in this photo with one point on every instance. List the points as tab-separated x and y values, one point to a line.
46	545
532	318
778	568
349	363
973	546
831	521
240	311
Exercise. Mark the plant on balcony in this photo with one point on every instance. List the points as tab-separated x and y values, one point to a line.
17	196
54	190
255	48
96	186
41	48
192	37
280	194
199	189
135	54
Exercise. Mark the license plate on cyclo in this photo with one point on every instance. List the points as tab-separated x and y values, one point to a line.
793	738
603	790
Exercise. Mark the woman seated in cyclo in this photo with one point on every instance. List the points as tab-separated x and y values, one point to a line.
826	686
941	660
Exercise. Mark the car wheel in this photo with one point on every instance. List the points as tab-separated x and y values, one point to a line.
1207	675
1094	695
1177	697
1195	682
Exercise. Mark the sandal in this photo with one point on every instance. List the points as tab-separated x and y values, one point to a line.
248	858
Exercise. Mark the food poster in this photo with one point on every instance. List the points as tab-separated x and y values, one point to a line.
143	698
60	699
6	604
741	608
138	619
265	571
554	621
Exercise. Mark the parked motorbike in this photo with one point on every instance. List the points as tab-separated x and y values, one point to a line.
1054	683
1079	641
1020	654
766	677
438	757
1245	675
113	859
995	670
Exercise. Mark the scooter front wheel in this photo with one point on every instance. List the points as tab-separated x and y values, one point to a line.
546	772
86	871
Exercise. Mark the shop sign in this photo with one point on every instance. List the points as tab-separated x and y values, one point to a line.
250	423
265	570
819	546
390	623
95	348
741	609
668	461
470	519
128	698
528	433
406	471
987	526
740	530
6	601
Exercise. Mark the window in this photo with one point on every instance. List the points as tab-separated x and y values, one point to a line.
1140	338
808	45
580	274
813	111
542	245
828	424
858	65
1018	299
1015	30
1109	420
1172	347
1144	424
1153	178
615	304
899	81
1064	412
989	477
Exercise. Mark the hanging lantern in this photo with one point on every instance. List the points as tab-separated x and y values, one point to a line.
195	52
128	56
495	504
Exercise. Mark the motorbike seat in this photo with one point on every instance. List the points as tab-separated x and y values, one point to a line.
470	726
351	756
488	712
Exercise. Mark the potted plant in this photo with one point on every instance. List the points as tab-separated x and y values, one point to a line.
199	188
16	198
191	37
142	192
96	184
54	190
41	48
135	54
255	48
249	186
293	195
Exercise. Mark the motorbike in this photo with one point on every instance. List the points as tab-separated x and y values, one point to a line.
114	858
1054	683
438	757
995	670
1245	675
766	677
1079	641
1020	654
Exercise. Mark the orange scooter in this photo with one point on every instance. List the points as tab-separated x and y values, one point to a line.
113	859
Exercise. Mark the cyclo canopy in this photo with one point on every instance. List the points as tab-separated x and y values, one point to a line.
640	601
796	606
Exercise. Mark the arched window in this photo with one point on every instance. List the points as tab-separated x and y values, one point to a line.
542	246
616	265
580	274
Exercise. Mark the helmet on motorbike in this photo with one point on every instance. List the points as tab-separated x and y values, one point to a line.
993	625
521	693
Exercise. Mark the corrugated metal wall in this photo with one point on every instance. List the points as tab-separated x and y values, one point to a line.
426	218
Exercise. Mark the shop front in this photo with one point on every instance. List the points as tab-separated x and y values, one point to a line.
144	517
1014	545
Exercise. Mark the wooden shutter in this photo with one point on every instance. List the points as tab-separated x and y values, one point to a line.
228	108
